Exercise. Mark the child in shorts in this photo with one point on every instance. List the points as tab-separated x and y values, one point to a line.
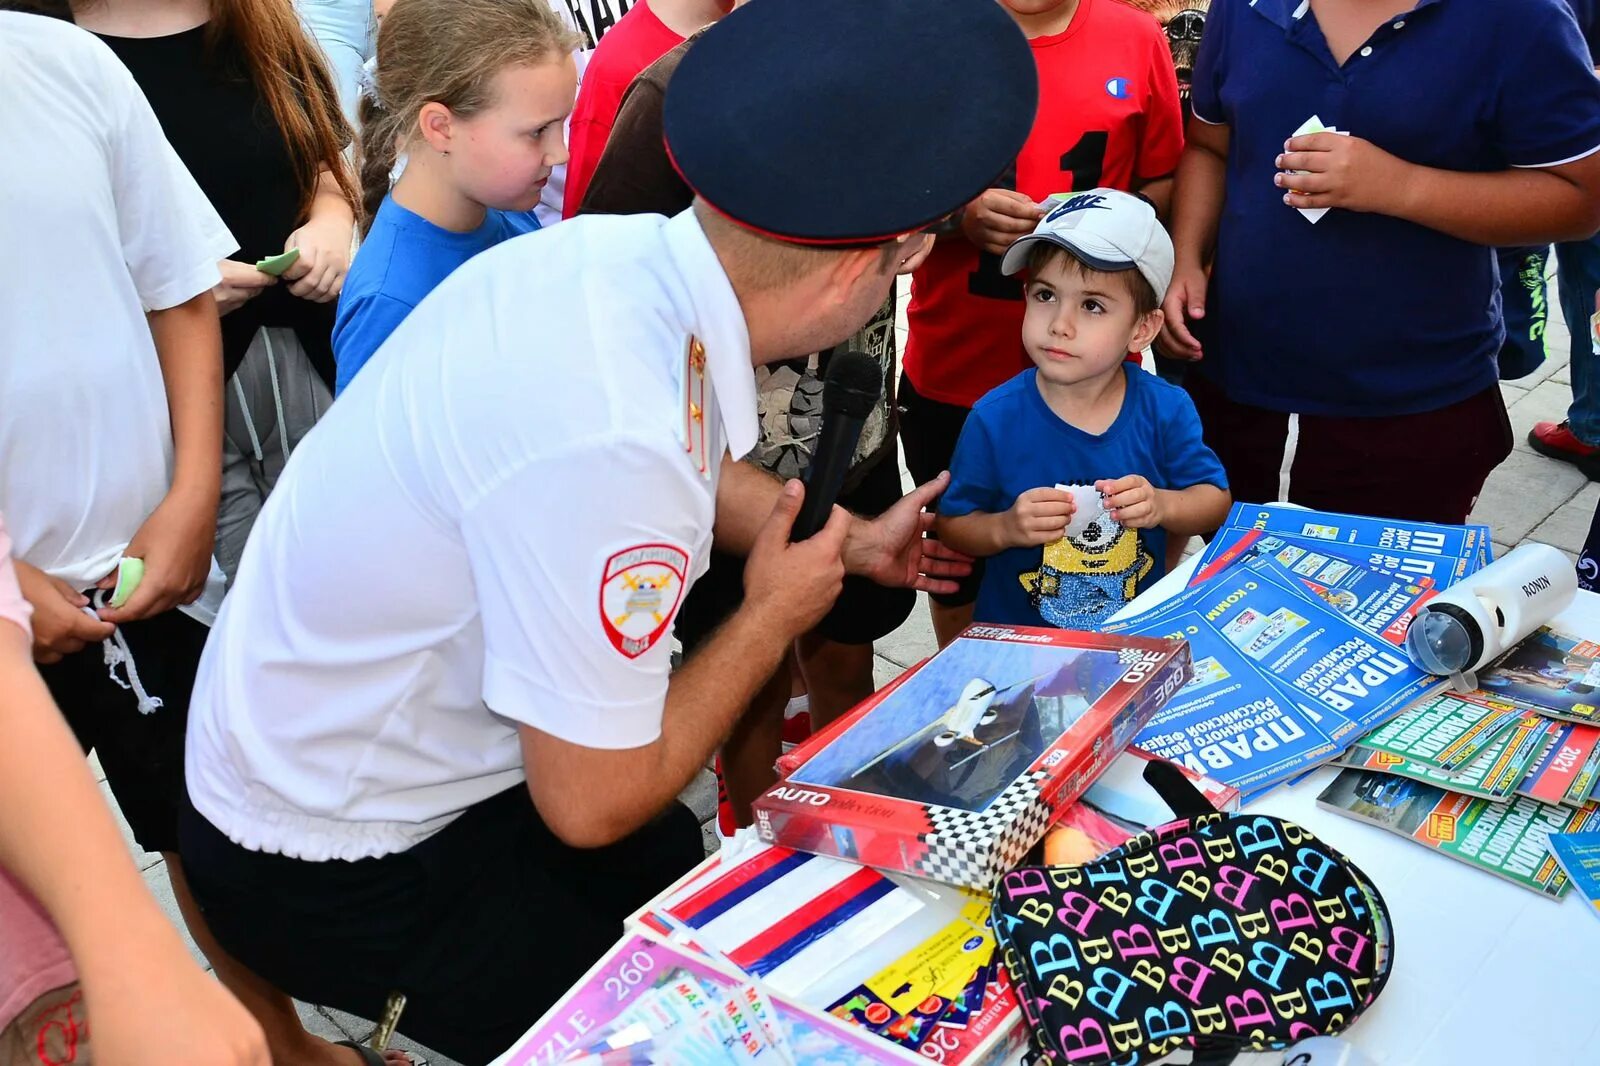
1084	417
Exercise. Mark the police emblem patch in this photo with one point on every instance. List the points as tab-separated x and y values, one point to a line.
640	589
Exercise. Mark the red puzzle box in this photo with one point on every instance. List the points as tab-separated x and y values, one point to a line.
956	770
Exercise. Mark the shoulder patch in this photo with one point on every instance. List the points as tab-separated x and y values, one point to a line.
640	588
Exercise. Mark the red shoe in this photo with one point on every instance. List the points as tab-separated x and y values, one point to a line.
727	825
1556	440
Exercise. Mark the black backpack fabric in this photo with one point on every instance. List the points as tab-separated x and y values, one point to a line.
1218	932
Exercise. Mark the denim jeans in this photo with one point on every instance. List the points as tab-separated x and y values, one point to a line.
1578	272
347	34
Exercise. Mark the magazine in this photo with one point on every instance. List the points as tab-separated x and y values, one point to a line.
1579	856
1553	673
1444	732
1444	554
1578	793
1570	747
1506	839
1495	774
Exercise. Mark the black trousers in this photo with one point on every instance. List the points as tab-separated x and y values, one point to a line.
483	925
142	754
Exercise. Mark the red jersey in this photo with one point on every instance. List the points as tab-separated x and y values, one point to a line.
635	42
1108	117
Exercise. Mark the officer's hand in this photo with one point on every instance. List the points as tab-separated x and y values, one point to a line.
894	550
791	586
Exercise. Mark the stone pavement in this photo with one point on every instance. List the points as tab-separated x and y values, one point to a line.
1529	497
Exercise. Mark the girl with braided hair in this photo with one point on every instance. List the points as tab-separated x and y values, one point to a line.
473	94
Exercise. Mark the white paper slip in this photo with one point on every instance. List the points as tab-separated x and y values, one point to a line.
1309	126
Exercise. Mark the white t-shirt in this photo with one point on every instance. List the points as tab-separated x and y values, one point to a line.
501	510
99	220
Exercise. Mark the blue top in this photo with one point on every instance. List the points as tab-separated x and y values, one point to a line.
1013	442
402	259
1364	314
1587	13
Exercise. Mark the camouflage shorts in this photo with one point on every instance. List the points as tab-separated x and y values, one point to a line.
52	1031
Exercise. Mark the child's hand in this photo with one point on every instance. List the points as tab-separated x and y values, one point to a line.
240	284
175	542
1038	517
1340	171
1132	501
318	275
60	627
998	217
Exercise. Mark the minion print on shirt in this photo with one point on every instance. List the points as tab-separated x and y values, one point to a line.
1086	577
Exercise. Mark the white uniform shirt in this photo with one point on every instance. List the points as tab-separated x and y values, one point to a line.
99	220
500	510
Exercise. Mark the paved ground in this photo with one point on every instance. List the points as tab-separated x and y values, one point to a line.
1528	497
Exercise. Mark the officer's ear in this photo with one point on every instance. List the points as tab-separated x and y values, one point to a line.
436	126
857	267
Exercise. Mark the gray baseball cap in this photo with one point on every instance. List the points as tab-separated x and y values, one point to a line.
1107	230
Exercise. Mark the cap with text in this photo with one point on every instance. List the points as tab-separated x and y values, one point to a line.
1106	230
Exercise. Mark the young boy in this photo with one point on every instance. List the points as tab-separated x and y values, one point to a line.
1108	116
1096	265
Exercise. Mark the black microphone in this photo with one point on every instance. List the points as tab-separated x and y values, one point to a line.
849	393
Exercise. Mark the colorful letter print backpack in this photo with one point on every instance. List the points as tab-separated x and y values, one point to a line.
1218	932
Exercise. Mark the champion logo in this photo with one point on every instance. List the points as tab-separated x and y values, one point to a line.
1119	88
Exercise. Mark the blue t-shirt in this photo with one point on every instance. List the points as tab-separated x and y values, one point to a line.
1364	314
403	258
1013	442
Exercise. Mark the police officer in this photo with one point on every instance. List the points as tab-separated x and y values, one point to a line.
460	597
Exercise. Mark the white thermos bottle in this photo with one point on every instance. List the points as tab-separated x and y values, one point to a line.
1483	615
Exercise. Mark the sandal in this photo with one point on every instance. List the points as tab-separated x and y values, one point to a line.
370	1057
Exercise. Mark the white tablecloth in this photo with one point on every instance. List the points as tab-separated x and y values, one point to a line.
1485	972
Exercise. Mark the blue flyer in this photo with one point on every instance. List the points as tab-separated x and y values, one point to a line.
1444	554
1579	855
1315	651
1231	721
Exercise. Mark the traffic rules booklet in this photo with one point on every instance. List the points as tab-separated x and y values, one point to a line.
1445	732
1379	601
1281	681
1552	673
1493	774
1444	554
1509	840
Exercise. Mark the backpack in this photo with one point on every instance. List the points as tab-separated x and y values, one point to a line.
1218	932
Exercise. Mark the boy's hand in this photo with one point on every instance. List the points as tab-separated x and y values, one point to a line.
1132	501
998	217
1185	303
1340	171
60	627
1038	517
240	284
175	543
318	275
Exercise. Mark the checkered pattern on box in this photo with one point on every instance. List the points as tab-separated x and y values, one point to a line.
973	848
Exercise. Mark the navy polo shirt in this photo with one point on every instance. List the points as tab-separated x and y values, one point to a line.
1365	314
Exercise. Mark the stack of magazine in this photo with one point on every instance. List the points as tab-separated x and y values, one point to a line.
1486	776
1295	620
